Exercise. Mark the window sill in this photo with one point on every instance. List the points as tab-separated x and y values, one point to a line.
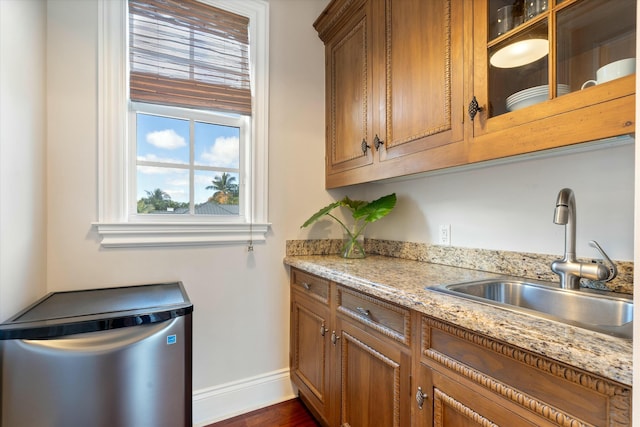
131	235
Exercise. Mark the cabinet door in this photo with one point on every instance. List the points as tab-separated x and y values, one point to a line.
349	90
529	77
373	378
310	352
422	84
448	412
444	400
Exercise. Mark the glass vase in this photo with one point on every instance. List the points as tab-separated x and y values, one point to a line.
353	247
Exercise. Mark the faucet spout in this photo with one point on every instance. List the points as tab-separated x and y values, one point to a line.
568	268
565	214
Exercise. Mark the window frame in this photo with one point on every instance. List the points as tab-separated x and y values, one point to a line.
114	225
201	116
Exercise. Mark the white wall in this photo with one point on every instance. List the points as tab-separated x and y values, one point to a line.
23	191
241	299
510	206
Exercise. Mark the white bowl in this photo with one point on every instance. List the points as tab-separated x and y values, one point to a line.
615	70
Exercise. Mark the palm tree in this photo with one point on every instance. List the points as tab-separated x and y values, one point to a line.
157	198
224	186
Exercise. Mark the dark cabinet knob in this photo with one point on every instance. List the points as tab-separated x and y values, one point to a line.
421	397
474	108
364	146
377	142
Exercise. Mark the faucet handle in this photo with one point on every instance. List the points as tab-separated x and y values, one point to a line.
613	271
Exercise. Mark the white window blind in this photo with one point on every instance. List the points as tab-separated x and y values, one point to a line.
188	54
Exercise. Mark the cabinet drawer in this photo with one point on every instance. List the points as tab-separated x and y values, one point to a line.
389	319
314	286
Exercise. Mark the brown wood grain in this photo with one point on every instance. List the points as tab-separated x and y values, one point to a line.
371	374
406	71
291	413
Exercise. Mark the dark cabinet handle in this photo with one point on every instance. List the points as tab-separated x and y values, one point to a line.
474	108
377	142
364	146
421	397
363	311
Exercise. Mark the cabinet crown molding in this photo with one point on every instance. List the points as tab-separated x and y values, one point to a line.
332	16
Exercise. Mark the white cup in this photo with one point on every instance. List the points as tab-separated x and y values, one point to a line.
612	71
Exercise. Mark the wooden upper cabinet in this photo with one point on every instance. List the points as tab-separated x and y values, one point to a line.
349	90
422	88
401	75
394	84
534	101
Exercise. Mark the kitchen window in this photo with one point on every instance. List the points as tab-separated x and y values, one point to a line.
187	163
183	145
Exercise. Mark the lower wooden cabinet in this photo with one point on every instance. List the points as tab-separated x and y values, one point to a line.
372	379
447	399
467	379
350	357
309	344
358	362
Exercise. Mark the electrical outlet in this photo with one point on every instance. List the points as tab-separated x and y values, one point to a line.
445	234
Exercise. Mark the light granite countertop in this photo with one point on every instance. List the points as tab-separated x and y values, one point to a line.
403	282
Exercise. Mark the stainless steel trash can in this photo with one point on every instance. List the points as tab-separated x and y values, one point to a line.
113	357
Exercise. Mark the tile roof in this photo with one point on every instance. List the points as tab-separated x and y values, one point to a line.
208	208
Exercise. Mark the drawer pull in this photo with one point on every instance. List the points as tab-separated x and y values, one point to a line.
306	286
421	397
363	311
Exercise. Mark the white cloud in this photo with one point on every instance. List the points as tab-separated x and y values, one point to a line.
178	195
179	181
150	170
153	170
224	152
203	180
167	139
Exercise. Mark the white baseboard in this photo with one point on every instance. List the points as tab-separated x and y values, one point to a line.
228	400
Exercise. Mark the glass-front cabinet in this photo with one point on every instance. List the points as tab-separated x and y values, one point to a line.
535	59
595	42
416	85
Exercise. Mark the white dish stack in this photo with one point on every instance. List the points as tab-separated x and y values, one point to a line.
533	95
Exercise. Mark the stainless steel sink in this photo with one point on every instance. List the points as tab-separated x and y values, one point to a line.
598	312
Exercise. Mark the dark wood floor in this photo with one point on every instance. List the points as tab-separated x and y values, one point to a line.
286	414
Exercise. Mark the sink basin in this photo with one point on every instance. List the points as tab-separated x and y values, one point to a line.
597	312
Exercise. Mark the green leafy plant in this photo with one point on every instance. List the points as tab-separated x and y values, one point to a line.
363	213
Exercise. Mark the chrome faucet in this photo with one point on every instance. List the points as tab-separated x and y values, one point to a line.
568	268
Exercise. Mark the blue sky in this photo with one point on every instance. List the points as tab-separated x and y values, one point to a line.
166	140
